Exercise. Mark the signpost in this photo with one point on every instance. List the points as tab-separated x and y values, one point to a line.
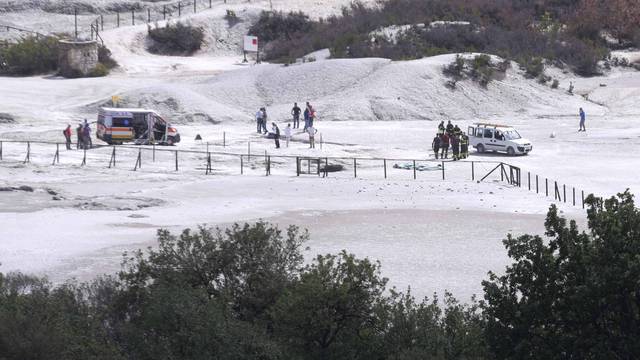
250	45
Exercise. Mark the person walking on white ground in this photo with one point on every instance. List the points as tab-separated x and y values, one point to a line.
582	119
312	133
287	134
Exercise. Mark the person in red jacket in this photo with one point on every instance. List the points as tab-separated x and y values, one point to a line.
67	136
444	145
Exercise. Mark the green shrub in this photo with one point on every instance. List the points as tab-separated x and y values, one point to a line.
178	39
555	84
99	71
533	67
104	57
30	56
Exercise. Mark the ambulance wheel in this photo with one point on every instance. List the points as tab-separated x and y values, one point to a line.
480	148
510	151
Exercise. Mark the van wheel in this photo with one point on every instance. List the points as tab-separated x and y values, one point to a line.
510	151
480	148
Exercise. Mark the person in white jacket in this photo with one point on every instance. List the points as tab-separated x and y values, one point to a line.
287	134
312	133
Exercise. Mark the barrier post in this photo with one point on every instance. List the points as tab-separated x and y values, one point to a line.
154	151
414	169
101	22
529	179
241	165
564	192
249	150
546	186
501	172
148	15
118	19
164	12
326	167
113	158
385	167
179	9
176	151
28	157
224	139
210	4
56	157
75	21
208	168
133	17
473	171
0	150
536	184
297	166
583	199
574	196
138	161
195	3
443	170
355	168
268	163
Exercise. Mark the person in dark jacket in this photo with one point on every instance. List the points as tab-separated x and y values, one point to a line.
456	130
464	146
455	147
79	131
449	128
435	145
276	134
441	128
444	146
296	116
86	135
307	113
67	136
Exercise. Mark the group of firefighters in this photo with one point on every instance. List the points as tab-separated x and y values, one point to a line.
83	132
451	135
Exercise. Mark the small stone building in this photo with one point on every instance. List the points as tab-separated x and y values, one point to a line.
77	58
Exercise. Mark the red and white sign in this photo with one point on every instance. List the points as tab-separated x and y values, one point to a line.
251	43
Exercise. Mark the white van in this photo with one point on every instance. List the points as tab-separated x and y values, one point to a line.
117	125
498	138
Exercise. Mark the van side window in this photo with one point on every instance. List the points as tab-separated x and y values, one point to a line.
121	122
499	135
488	133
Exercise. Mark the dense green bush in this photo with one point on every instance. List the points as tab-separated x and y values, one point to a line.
243	293
29	56
178	39
104	57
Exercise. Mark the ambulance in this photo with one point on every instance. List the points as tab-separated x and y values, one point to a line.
498	138
141	126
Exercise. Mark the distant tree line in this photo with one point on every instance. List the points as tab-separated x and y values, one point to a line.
569	33
244	293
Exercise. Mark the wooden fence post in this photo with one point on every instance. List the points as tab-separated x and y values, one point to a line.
241	165
210	4
326	167
138	161
148	15
113	158
355	168
195	6
443	170
546	186
224	139
208	169
297	166
529	179
583	199
164	12
473	171
133	17
536	184
0	150
385	167
176	151
249	150
101	22
154	151
268	163
414	169
574	196
179	9
56	157
564	192
118	19
28	157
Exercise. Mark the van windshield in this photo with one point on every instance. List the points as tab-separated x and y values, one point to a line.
512	135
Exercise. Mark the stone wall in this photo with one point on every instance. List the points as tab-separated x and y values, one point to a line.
77	58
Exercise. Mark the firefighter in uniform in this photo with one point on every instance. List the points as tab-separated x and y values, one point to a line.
436	145
464	146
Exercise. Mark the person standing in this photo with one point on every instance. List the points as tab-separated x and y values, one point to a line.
312	133
86	136
312	115
287	133
259	121
464	146
79	131
441	127
444	146
296	116
306	117
435	145
582	119
67	136
455	147
276	134
264	120
449	128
